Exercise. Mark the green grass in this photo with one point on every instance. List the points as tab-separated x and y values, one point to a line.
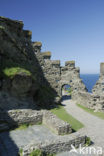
10	72
22	127
91	111
36	152
61	113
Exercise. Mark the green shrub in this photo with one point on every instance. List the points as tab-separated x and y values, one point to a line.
36	152
21	152
88	141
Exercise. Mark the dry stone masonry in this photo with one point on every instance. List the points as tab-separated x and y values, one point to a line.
57	75
53	122
28	77
30	80
94	100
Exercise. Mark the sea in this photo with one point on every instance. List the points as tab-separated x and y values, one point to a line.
89	80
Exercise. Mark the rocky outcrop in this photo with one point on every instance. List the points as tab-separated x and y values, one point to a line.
21	76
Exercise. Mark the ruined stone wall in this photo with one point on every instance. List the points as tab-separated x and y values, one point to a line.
14	118
99	86
71	75
57	125
89	100
57	75
28	77
21	75
51	68
94	100
57	146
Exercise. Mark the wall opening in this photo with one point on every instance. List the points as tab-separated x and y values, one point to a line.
66	92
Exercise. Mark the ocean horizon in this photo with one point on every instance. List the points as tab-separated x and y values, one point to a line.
89	80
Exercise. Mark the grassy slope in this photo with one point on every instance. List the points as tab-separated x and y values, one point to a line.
98	114
63	115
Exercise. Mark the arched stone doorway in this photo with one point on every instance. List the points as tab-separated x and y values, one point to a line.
66	92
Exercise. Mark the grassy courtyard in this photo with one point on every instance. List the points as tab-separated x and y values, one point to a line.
98	114
61	113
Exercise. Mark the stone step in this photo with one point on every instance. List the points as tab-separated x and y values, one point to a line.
4	127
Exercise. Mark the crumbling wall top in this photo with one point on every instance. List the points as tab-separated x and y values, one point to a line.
70	63
11	23
27	33
37	44
101	68
46	55
56	62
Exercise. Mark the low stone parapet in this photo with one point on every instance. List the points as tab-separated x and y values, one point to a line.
89	100
18	117
53	122
57	146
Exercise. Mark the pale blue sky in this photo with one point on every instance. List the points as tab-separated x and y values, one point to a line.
70	29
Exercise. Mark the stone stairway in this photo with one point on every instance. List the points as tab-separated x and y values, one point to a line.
7	148
3	125
37	136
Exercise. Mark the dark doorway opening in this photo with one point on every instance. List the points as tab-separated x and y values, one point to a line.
66	92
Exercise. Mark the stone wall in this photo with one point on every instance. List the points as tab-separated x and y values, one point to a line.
21	75
89	100
71	75
94	100
59	145
57	75
19	117
28	77
53	122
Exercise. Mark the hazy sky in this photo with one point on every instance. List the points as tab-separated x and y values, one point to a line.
70	29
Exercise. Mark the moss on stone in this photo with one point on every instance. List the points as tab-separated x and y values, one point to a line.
47	53
70	62
39	44
56	62
10	72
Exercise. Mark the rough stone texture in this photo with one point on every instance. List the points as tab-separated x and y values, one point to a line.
19	117
58	76
89	100
71	76
39	80
99	86
94	100
53	122
37	136
55	146
21	76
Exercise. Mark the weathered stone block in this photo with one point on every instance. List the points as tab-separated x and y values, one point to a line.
22	116
53	122
46	55
102	68
27	34
70	63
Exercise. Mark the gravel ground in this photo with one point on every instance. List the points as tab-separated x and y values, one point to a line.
94	126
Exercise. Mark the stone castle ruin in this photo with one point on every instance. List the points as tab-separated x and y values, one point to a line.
59	76
30	84
94	100
26	73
